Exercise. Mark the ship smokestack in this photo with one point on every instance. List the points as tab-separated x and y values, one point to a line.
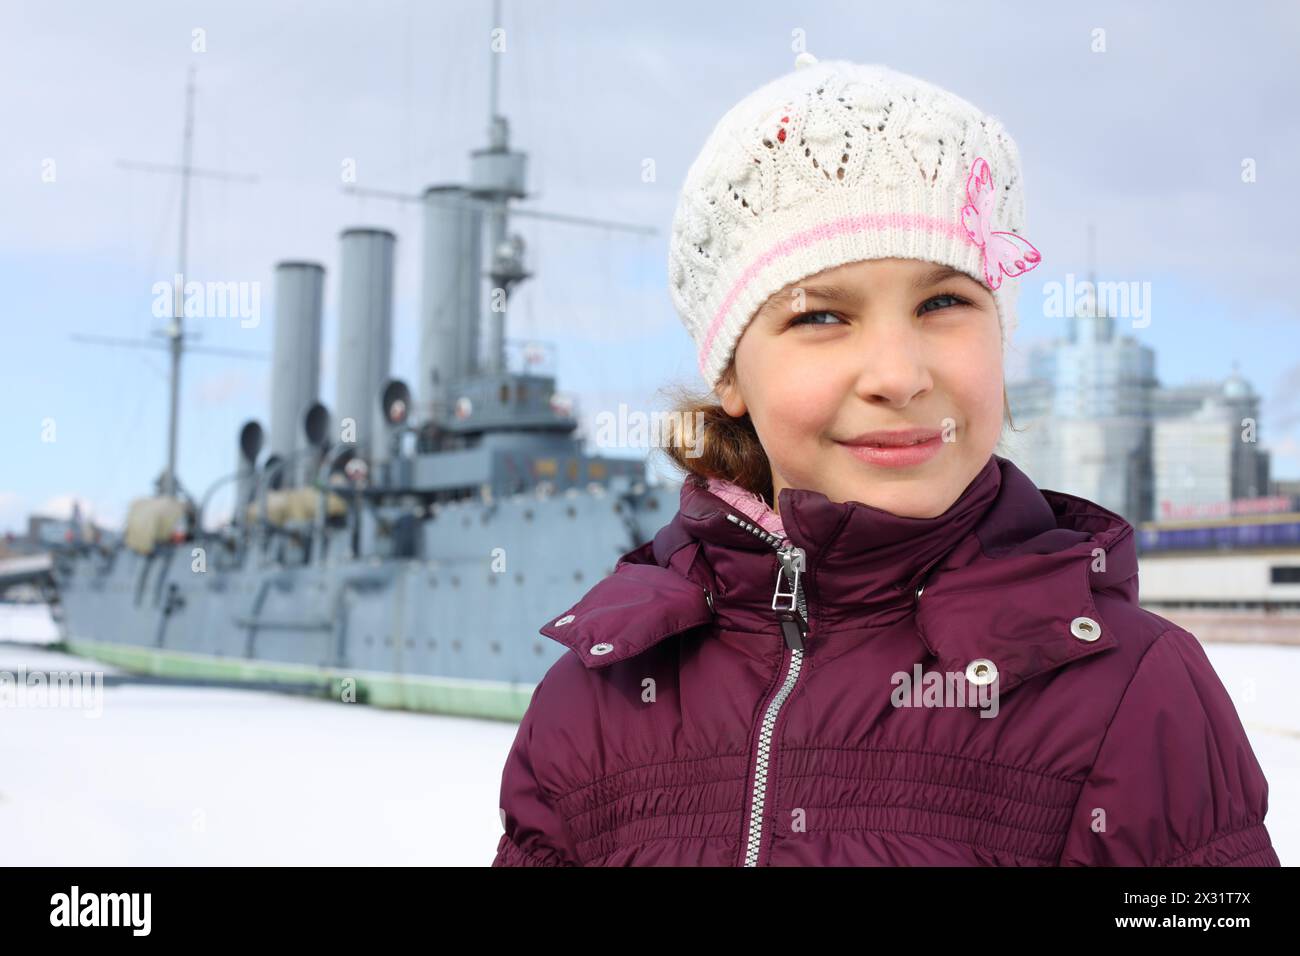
449	307
365	338
295	374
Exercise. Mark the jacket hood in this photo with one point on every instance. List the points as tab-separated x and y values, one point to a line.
1007	574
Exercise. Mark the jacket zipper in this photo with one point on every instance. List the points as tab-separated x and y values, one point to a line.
793	618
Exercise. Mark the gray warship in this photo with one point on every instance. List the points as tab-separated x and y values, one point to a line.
402	546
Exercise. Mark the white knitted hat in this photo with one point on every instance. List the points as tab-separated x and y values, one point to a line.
838	162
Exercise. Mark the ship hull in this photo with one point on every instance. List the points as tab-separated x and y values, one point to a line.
453	632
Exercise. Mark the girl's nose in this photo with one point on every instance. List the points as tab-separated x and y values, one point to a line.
891	366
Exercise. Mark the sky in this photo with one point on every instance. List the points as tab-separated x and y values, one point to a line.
1144	140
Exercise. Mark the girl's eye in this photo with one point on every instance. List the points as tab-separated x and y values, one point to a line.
800	319
955	299
946	300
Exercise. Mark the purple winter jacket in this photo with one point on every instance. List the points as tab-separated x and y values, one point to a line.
695	725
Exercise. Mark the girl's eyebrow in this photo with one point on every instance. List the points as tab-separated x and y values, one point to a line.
836	293
937	275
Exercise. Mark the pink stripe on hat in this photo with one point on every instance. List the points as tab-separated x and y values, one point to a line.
845	226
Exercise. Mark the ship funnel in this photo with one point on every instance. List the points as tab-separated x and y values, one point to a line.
365	336
449	305
295	375
250	446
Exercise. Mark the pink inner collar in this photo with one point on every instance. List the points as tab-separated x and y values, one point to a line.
748	503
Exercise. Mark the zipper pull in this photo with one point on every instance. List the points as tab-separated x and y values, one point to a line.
793	561
793	626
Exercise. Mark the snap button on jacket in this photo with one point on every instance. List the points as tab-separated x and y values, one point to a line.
979	688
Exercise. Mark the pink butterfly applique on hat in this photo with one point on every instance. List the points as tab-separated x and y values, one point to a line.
1005	253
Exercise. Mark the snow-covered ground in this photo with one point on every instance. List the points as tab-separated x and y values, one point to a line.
30	623
184	775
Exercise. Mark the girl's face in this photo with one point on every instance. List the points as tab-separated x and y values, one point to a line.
877	345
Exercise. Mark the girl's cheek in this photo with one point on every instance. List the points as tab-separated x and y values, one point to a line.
973	370
803	405
982	407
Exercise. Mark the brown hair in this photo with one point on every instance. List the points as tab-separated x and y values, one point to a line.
728	447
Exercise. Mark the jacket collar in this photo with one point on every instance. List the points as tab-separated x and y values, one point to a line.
862	561
1005	575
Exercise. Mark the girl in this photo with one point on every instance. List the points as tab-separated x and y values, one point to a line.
866	638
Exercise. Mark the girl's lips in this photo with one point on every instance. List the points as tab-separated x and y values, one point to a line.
896	456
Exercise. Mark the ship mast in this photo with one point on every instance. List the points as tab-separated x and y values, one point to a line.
506	267
175	331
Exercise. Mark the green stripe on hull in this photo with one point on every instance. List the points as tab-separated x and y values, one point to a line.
463	698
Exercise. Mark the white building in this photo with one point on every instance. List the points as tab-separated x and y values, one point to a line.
1092	420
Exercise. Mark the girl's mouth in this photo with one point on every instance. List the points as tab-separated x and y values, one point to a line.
896	456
